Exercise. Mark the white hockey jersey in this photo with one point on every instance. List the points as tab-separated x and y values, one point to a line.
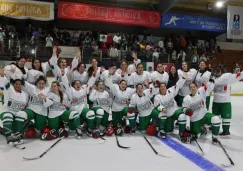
33	74
120	97
197	103
136	79
100	99
203	78
162	77
54	105
167	101
115	77
13	101
132	67
82	77
223	85
143	104
191	76
8	73
79	95
35	102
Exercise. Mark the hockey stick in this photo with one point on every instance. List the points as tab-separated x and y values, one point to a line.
118	144
231	161
201	151
158	154
34	158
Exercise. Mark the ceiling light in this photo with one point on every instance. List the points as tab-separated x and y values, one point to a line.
219	4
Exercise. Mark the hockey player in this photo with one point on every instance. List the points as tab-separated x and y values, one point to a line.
80	74
221	100
165	103
195	107
141	76
121	95
36	109
19	66
141	101
77	93
184	91
160	75
38	69
202	77
57	103
101	106
15	100
115	76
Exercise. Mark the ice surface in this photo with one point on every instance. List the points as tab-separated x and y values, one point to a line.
91	155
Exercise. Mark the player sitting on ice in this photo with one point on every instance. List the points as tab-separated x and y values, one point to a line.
121	95
142	101
101	107
15	100
77	93
166	104
35	110
221	100
195	107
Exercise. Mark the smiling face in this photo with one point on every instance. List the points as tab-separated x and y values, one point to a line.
140	68
123	66
63	63
160	68
100	86
41	84
193	88
94	63
55	87
17	86
139	89
37	64
21	63
81	68
77	85
202	65
184	66
123	85
162	89
173	70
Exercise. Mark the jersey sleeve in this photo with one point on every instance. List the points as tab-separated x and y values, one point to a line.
67	87
179	84
45	67
90	83
157	103
92	96
29	88
48	101
113	87
234	78
131	91
206	76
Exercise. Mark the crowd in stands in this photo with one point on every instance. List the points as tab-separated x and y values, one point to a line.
118	46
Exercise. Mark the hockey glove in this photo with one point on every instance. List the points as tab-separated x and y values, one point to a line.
188	111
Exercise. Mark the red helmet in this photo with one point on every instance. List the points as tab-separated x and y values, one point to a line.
151	130
109	131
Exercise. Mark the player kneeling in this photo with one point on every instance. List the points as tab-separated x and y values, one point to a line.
195	107
141	100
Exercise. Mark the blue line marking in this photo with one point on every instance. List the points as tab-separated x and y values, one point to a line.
191	155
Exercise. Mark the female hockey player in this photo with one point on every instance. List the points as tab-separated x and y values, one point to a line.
101	106
57	65
202	77
19	66
36	109
77	93
184	91
165	103
194	106
221	100
38	69
57	103
80	74
160	75
141	76
121	95
15	100
141	101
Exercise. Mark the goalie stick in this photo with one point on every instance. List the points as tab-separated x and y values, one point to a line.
40	156
201	151
231	161
156	152
118	144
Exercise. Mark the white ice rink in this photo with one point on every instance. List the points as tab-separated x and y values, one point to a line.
92	155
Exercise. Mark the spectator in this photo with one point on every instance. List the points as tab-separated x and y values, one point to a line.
29	31
2	35
203	58
66	37
181	56
161	44
61	40
237	68
49	44
75	39
155	56
117	40
195	60
113	52
173	56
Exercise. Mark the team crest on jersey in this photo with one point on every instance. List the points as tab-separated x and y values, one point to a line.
36	100
57	107
145	106
103	101
121	101
81	100
220	88
16	105
197	105
168	104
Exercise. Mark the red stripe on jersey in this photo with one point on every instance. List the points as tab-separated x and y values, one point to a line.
237	75
203	102
225	88
205	88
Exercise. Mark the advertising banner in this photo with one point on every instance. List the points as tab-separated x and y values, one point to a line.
234	22
25	9
68	51
192	22
78	11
